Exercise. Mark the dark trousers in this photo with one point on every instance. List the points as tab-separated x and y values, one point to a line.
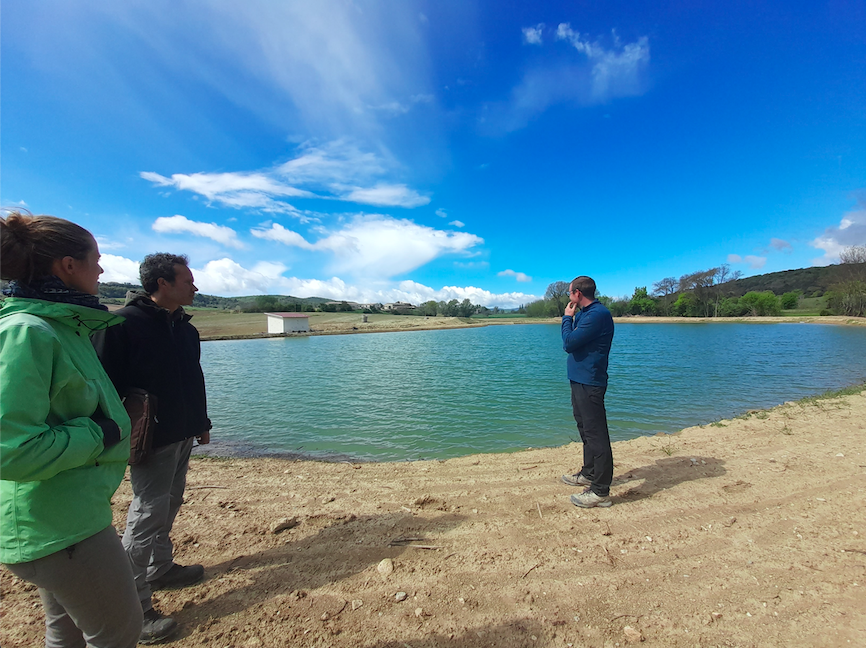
587	403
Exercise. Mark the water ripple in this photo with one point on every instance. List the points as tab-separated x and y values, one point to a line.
426	394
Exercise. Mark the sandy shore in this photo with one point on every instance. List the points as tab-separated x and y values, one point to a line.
750	532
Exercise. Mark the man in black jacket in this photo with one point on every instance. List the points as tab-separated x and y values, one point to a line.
158	350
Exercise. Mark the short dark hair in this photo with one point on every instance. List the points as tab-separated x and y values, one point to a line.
585	285
159	266
29	245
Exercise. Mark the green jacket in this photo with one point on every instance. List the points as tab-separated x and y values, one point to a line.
56	477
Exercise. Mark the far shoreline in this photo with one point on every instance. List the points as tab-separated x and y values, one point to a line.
349	328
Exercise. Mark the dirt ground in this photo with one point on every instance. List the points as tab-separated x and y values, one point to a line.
750	532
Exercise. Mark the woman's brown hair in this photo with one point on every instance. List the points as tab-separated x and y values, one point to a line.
29	244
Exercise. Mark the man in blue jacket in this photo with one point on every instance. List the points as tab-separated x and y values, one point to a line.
586	338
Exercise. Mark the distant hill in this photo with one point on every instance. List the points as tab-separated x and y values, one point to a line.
115	293
814	281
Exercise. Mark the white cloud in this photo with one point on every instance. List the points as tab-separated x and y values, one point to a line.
383	195
851	231
338	170
532	35
118	269
441	213
754	262
417	293
378	246
457	223
598	75
228	278
472	265
517	275
616	72
780	245
180	224
282	235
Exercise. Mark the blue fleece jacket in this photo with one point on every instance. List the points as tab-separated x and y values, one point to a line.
586	338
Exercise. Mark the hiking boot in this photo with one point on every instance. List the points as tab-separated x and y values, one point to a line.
575	480
156	627
177	576
588	499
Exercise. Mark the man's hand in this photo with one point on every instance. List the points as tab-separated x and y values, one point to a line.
571	308
203	438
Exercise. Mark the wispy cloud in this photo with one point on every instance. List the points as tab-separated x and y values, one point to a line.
377	246
754	262
533	35
780	245
335	171
851	231
457	223
386	196
601	71
180	225
517	275
441	213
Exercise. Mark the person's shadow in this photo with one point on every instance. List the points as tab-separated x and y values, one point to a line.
335	552
663	474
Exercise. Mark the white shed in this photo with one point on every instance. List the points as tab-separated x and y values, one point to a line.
288	323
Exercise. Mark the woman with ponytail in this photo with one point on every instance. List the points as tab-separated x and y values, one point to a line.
64	437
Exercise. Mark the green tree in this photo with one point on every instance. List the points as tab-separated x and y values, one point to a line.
790	300
665	289
641	303
848	298
731	307
761	303
536	309
686	305
264	304
465	309
430	308
557	296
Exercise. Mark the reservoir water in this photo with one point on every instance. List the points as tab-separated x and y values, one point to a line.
447	393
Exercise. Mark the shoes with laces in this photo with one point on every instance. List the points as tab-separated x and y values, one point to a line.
156	627
576	479
588	499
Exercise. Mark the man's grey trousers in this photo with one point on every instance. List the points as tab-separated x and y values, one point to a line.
157	487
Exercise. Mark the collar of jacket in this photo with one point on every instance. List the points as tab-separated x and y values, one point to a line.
143	301
71	315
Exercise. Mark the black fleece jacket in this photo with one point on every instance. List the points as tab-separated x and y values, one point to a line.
159	352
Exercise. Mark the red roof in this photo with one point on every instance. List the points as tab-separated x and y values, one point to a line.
289	314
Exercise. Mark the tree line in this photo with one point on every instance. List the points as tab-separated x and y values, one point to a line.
715	292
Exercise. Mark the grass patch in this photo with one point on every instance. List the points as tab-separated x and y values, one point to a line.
853	390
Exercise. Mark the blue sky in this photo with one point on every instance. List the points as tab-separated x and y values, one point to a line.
403	150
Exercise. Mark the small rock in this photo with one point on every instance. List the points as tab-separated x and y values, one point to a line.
324	616
400	596
357	603
385	567
840	455
716	616
284	524
419	612
632	635
328	499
